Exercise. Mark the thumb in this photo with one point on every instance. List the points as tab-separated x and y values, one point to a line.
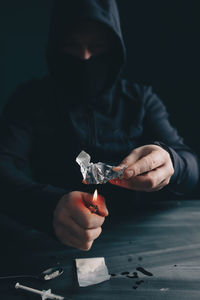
128	160
99	202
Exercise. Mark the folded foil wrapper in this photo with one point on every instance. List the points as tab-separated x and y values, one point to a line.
91	271
97	173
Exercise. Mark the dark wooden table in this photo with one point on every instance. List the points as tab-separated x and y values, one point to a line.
163	239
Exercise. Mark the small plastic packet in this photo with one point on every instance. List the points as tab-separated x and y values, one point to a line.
91	271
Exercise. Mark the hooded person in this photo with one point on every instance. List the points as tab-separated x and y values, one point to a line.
91	25
85	104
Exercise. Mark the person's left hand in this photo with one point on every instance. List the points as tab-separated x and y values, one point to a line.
148	168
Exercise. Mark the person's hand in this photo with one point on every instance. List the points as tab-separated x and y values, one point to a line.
148	168
74	224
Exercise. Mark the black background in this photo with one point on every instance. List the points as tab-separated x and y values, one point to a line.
163	49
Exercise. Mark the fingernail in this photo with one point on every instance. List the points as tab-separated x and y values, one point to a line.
118	168
128	174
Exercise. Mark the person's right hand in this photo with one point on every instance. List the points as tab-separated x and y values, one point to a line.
74	224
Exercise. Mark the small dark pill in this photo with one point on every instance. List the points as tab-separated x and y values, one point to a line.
175	265
140	258
130	276
135	274
130	259
112	275
143	271
135	287
125	273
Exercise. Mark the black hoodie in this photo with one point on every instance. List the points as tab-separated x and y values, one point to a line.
43	131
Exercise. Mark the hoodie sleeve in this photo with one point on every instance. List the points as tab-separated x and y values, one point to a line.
157	128
21	197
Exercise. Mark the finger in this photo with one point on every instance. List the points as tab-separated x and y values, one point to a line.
125	183
128	160
83	216
70	240
74	229
84	181
146	164
73	242
147	182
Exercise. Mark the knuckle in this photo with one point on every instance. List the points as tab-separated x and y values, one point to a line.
101	221
160	152
98	232
86	246
87	223
167	157
87	236
150	162
165	154
167	181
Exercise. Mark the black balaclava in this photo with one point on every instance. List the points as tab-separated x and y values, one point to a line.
84	80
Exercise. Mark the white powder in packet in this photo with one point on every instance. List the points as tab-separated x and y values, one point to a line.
91	271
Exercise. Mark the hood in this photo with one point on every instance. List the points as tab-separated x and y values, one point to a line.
67	12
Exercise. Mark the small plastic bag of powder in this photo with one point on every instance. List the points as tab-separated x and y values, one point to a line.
91	271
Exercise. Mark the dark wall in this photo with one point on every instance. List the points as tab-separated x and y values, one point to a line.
162	39
163	44
23	36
